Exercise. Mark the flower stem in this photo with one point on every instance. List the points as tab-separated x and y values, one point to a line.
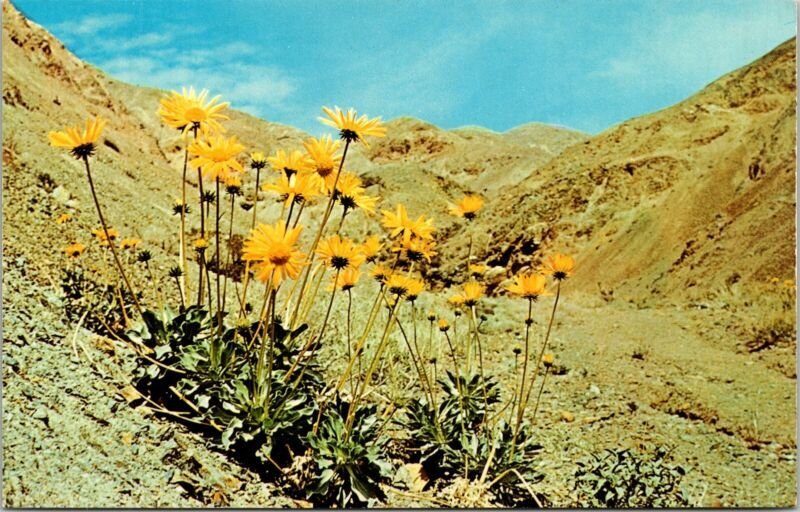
108	239
317	238
351	413
228	253
202	235
526	357
220	305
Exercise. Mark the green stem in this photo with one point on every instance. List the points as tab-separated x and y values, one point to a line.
325	218
108	239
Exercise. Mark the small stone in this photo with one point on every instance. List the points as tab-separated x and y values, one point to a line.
567	416
593	389
129	393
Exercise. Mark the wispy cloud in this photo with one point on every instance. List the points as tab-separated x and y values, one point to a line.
255	88
91	25
417	77
690	50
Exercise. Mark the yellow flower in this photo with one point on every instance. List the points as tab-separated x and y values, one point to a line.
297	187
548	360
340	253
456	300
371	247
351	194
468	207
179	207
346	279
130	243
416	249
113	234
216	156
233	183
258	160
559	266
380	273
274	250
323	152
399	284
189	110
200	245
63	218
74	250
444	326
353	129
291	162
399	223
528	286
473	291
79	143
414	287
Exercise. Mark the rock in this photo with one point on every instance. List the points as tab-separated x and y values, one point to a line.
61	194
567	416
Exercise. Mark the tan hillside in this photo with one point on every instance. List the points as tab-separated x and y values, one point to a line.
672	204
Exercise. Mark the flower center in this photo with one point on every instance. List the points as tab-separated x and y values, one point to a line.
339	262
280	256
196	115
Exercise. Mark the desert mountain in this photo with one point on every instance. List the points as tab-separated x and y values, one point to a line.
46	87
677	203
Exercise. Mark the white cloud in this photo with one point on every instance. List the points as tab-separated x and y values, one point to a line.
416	78
91	25
256	88
693	49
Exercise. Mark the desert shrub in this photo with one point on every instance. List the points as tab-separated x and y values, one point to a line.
249	378
350	467
629	479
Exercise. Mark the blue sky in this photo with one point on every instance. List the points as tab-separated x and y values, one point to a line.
577	63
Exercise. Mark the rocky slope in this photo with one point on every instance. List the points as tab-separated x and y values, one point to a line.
675	204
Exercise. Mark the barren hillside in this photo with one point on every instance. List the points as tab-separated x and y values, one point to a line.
674	204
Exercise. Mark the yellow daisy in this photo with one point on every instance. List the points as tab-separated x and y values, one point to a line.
129	243
100	235
352	195
468	207
293	162
188	110
351	128
399	223
273	249
63	218
528	286
416	249
414	287
340	253
81	144
560	266
346	279
371	247
74	250
297	187
380	273
216	156
258	160
473	291
323	153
